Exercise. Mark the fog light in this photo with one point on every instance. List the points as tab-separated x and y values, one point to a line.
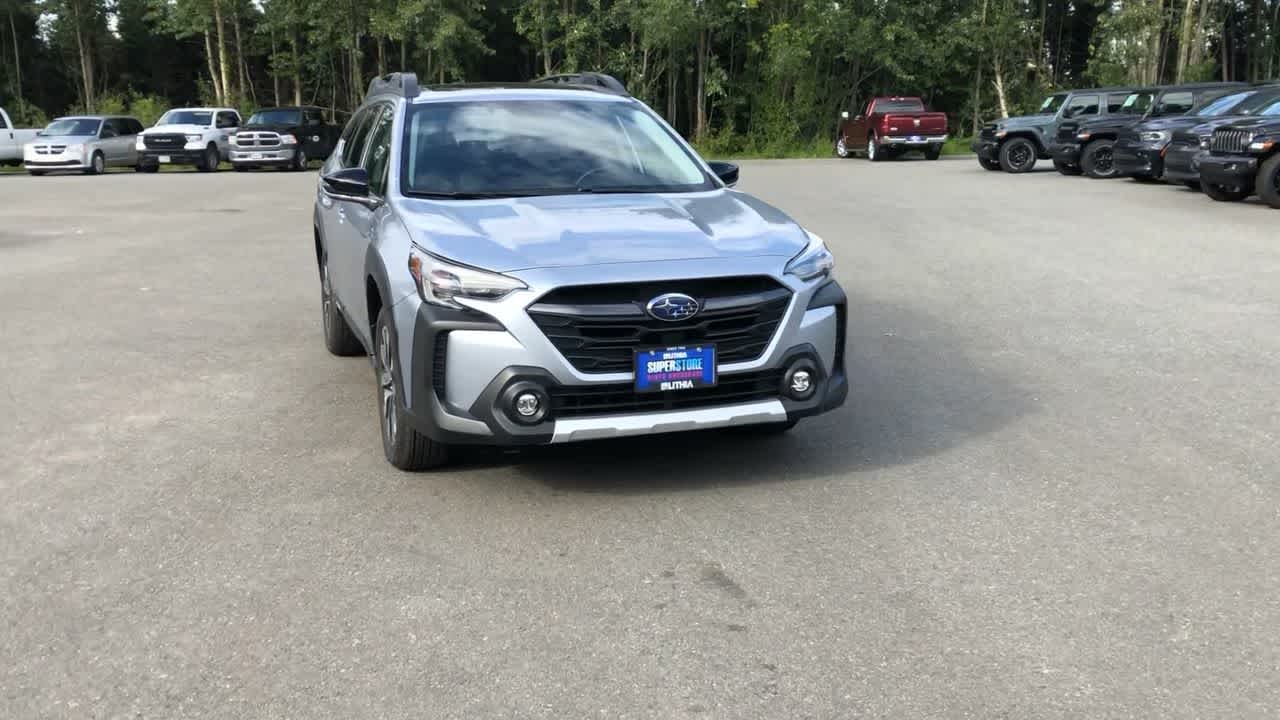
801	380
528	404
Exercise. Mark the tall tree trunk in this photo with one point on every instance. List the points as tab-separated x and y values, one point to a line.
673	77
218	96
275	76
224	63
241	68
977	81
545	30
998	83
295	65
1186	37
86	56
17	60
382	56
700	116
404	54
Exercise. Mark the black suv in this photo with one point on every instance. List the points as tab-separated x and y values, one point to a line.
285	137
1189	145
1090	147
1244	158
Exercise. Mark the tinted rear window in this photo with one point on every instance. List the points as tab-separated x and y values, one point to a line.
885	106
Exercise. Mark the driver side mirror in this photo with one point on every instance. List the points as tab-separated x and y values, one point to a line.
348	184
727	172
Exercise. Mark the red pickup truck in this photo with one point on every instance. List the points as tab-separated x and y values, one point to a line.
890	126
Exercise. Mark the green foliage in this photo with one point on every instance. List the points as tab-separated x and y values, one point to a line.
147	108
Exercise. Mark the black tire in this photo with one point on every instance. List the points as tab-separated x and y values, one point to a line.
97	164
1097	160
874	153
988	164
1269	181
842	148
338	338
1192	185
1018	155
1226	193
404	447
1065	169
210	161
933	152
299	161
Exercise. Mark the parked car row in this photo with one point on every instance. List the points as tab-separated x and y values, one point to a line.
1222	138
205	137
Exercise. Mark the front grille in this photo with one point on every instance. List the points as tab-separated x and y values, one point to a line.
164	142
257	139
1229	140
621	398
50	149
598	328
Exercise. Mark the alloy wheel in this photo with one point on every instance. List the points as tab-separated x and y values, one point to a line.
1104	161
99	165
387	385
326	296
1020	156
871	148
842	150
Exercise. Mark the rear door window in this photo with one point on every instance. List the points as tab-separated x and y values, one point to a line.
1115	102
1175	103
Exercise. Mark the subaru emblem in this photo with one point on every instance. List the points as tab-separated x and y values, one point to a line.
672	307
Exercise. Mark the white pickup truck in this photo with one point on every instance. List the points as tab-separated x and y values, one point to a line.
12	139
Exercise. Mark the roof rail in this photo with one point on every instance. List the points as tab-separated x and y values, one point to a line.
600	81
400	84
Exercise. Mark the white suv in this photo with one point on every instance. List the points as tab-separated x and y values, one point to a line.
188	136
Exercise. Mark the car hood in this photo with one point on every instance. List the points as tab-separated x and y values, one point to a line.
175	129
63	139
1177	122
1025	121
1244	122
574	230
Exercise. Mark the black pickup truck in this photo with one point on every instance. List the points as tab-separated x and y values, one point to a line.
1244	158
1089	147
284	137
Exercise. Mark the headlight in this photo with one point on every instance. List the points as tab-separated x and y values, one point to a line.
288	139
812	262
139	144
231	139
1155	136
193	138
440	281
1205	141
75	148
1001	133
1261	144
1084	136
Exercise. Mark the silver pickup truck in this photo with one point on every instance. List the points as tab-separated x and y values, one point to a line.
12	139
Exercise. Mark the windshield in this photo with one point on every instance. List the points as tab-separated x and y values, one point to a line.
187	117
1051	104
73	126
276	117
908	105
1262	103
542	147
1225	103
1137	103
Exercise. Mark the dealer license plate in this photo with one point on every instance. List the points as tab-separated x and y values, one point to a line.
255	156
676	368
916	139
164	158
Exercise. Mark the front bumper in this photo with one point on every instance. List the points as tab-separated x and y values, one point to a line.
1182	163
1137	159
264	156
1065	153
70	164
1229	170
986	148
170	157
464	365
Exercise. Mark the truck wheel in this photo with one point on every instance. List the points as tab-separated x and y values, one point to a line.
1226	193
1018	155
1065	169
842	148
1269	181
97	164
988	164
210	161
873	149
933	152
1097	160
404	446
338	338
300	160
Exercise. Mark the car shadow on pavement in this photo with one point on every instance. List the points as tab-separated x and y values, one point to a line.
915	390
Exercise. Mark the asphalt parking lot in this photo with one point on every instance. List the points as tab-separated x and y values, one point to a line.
1052	493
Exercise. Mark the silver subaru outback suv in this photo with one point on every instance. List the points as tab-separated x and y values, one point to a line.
550	262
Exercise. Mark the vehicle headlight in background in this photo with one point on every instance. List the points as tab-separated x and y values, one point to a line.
1261	144
1158	137
193	138
440	281
812	262
288	139
1205	141
1084	136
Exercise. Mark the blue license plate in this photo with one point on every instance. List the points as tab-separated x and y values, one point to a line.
916	138
676	368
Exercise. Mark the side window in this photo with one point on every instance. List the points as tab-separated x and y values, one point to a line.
1082	105
353	146
375	161
1115	101
313	117
228	120
1175	103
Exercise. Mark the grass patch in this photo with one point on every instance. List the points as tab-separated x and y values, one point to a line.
723	147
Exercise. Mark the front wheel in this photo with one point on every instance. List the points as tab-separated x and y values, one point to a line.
842	148
1098	160
1018	155
97	164
300	160
210	160
1225	193
1269	181
404	446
